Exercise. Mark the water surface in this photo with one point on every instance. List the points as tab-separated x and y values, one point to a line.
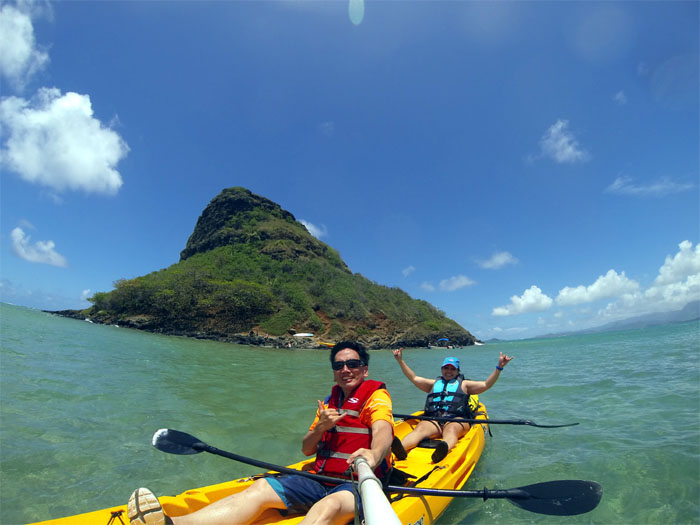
80	403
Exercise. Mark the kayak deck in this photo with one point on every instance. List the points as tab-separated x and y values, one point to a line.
450	473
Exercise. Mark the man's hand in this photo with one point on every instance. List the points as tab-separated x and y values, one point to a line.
328	417
368	455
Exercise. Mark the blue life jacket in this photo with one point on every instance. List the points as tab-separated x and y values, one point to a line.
448	399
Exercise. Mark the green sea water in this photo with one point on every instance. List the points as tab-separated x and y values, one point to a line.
79	403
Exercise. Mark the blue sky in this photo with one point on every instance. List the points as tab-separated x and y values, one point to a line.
527	167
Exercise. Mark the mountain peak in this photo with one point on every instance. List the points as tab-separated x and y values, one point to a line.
237	217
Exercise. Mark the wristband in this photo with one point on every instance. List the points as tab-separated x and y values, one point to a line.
499	367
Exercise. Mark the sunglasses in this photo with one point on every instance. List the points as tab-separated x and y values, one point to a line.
350	363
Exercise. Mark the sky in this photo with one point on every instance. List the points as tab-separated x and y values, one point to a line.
526	167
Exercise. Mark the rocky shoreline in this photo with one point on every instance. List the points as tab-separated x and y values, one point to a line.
145	324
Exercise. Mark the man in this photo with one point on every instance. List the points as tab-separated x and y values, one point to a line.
448	396
355	420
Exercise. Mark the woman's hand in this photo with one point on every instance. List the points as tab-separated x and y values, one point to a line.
398	354
503	359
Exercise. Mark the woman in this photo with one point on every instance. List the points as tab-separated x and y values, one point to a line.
448	396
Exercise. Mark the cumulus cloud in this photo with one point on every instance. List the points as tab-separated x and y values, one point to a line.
560	144
498	260
455	283
316	231
620	98
20	57
408	270
40	252
532	300
55	141
625	185
428	287
686	263
676	285
611	284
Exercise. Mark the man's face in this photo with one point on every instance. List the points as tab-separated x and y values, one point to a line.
349	377
449	372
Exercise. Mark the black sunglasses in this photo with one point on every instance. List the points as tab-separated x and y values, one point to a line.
350	363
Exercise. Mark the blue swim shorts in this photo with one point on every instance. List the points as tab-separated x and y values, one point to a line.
299	493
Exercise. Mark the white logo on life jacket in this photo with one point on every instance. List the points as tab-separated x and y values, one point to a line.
353	400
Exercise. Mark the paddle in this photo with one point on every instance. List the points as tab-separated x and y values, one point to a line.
483	421
557	498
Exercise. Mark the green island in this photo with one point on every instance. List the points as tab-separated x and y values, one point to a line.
252	274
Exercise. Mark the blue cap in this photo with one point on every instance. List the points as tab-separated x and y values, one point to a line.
451	361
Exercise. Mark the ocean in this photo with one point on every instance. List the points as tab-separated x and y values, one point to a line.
79	403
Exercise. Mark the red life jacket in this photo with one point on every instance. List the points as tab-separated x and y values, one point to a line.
338	443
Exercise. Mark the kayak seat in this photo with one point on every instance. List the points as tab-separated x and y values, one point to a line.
399	477
429	443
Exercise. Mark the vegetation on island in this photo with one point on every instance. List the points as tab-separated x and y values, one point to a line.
250	268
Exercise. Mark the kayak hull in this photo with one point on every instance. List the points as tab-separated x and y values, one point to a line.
451	473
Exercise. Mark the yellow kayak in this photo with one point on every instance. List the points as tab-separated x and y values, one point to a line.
450	473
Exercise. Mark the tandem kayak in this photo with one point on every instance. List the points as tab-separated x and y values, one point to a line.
417	470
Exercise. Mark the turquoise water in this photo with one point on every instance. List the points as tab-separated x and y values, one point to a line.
80	402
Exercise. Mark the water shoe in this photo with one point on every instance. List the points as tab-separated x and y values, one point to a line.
440	452
144	509
398	450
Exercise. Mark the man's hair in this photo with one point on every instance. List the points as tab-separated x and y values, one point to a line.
352	345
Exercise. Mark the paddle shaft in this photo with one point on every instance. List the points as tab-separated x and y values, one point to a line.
482	421
561	498
484	493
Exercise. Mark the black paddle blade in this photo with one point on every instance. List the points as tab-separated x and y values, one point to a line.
176	442
558	498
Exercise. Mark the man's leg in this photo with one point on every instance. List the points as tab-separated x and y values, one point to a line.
237	509
337	508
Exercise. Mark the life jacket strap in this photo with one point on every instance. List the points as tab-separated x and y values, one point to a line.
353	430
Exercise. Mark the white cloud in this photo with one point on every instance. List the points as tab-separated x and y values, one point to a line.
532	300
684	264
316	231
54	140
40	252
455	283
428	287
559	144
498	260
20	58
611	284
624	185
620	98
327	128
86	293
408	270
677	284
